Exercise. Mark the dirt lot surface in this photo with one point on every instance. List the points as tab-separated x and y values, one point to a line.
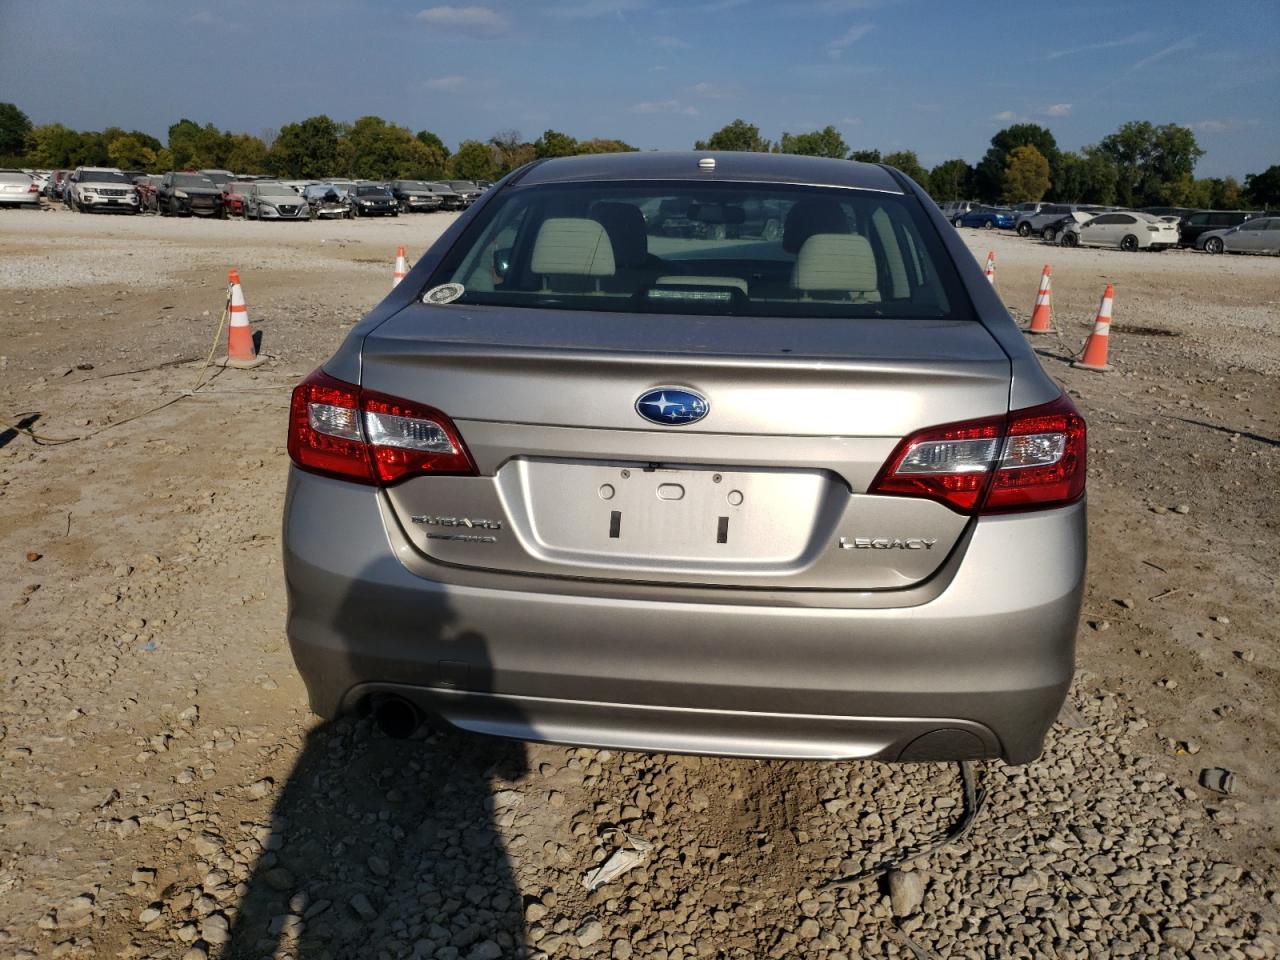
164	791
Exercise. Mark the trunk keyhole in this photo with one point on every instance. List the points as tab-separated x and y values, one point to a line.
722	530
615	524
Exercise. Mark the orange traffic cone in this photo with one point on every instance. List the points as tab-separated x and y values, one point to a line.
240	352
991	267
401	269
1042	316
1095	349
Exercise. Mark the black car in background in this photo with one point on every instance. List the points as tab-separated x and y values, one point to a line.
1202	221
466	189
414	196
189	194
373	200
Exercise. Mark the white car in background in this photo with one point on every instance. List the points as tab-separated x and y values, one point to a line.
100	189
17	188
1126	231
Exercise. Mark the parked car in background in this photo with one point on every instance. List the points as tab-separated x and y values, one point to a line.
614	560
987	218
952	210
18	189
450	199
327	201
182	194
1052	230
1033	221
1255	235
146	186
466	190
273	200
1176	212
373	200
234	195
1123	230
297	186
219	177
100	190
1202	221
57	179
414	196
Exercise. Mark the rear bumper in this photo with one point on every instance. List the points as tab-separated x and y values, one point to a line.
980	669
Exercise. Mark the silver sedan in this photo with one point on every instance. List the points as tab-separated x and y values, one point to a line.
1260	235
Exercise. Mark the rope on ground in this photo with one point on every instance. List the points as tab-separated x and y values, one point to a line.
200	381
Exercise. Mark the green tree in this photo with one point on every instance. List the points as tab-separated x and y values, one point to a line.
473	161
553	143
1264	188
14	127
54	145
826	142
1154	165
950	180
195	147
1226	194
908	163
989	176
245	153
306	150
131	151
373	149
739	135
437	155
865	156
1026	175
1085	177
604	145
510	151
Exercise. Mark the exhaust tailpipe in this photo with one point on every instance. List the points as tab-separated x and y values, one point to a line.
396	717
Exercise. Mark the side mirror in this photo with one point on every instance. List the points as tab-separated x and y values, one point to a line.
501	263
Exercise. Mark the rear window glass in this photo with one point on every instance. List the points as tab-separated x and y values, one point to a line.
721	248
14	178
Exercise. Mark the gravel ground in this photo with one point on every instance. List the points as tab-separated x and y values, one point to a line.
164	791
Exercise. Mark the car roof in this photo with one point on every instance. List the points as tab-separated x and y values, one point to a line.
730	166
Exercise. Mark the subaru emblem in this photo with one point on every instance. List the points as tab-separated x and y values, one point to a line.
672	406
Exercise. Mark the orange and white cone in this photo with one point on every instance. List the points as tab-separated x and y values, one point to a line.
401	269
240	352
1042	315
990	269
1095	349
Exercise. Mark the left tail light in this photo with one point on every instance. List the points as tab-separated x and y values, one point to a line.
1031	459
341	430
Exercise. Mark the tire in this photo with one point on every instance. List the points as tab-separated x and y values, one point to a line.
1048	235
958	222
1129	243
1024	229
355	211
988	225
1069	239
173	208
772	230
1213	245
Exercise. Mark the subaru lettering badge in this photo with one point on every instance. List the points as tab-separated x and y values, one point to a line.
672	406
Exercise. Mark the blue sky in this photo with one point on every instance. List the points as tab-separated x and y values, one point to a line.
935	77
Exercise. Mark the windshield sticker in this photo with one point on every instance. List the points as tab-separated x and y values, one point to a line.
445	293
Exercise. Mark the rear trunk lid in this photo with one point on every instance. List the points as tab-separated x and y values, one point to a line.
768	489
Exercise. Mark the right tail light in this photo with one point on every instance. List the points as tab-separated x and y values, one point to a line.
1029	460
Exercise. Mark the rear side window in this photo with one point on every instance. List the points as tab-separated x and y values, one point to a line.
722	248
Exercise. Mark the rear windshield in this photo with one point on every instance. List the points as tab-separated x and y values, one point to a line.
193	180
721	248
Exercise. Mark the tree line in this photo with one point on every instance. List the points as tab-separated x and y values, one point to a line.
370	148
1140	164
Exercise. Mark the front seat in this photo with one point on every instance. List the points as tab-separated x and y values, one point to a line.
572	254
810	216
628	234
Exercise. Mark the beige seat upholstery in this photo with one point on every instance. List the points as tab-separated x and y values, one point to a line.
837	266
572	247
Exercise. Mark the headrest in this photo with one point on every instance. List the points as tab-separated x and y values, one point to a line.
810	216
836	261
572	246
624	223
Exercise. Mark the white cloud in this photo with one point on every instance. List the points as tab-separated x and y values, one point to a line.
671	43
1005	116
590	9
204	18
474	20
837	47
451	82
1225	125
664	106
850	121
713	91
1101	45
1186	43
1058	110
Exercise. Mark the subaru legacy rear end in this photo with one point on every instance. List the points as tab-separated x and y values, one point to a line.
621	465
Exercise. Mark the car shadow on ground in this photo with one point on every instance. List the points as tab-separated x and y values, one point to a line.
384	847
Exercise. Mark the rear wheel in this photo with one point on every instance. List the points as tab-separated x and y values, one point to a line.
1048	234
1213	245
1129	244
1024	229
957	222
988	224
772	230
1070	240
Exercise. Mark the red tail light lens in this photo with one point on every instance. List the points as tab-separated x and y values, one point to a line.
1031	459
340	430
